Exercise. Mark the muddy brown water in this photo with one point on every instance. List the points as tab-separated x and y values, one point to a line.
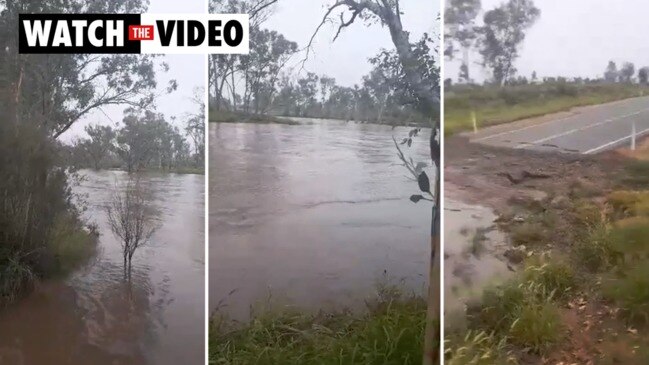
312	215
94	318
473	254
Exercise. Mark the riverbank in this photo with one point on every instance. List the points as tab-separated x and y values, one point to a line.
578	249
68	246
224	116
497	105
389	331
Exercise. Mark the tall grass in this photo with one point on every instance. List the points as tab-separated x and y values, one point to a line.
390	332
496	105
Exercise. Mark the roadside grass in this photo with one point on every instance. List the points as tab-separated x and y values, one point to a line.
496	105
225	116
603	260
391	331
477	348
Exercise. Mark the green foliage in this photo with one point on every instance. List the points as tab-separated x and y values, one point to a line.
586	214
477	348
529	234
16	276
537	327
268	87
553	274
70	245
630	238
391	332
636	173
523	312
497	105
225	116
629	288
594	250
502	34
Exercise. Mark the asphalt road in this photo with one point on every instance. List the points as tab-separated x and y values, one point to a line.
586	130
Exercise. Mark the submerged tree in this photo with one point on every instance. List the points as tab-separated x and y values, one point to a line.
131	219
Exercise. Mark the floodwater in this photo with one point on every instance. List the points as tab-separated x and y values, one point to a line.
473	256
94	318
313	215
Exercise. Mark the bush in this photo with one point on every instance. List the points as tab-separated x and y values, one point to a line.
555	276
630	289
70	245
627	203
529	234
35	196
637	174
594	251
630	239
537	326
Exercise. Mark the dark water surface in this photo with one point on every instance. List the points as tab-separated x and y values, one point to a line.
94	318
313	215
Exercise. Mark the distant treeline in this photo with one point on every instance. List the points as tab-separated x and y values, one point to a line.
261	82
143	142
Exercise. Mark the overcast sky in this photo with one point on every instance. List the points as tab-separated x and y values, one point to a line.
187	70
346	59
578	38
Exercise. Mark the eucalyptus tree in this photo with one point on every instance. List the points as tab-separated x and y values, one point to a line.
461	30
427	97
502	34
99	145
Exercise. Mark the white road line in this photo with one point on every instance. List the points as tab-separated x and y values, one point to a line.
548	122
538	141
521	129
597	149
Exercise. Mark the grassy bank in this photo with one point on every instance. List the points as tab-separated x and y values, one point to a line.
496	105
68	245
581	294
225	116
389	332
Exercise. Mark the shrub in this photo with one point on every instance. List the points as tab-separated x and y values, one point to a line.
630	238
528	234
553	275
537	326
594	251
625	203
630	289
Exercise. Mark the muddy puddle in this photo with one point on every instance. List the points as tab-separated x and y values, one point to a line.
93	317
314	215
473	256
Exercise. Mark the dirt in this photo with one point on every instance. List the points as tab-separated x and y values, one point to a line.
493	176
518	183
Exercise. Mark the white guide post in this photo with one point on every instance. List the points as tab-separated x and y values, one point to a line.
633	135
475	122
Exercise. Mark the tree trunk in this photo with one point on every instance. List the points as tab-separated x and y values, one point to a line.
432	340
427	98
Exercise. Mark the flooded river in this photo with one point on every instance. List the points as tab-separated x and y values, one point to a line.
313	214
94	318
